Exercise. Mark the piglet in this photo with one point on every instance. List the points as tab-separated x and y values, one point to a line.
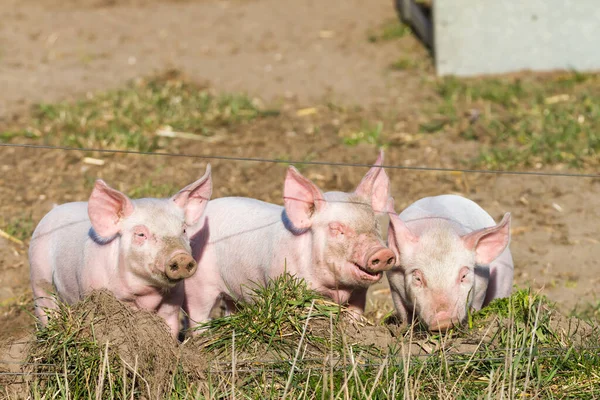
137	249
332	240
452	257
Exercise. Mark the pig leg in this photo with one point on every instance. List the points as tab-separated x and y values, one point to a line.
43	300
501	277
403	311
230	306
199	303
357	302
169	309
482	279
171	317
41	280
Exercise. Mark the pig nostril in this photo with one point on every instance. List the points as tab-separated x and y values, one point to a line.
375	261
390	260
190	266
174	266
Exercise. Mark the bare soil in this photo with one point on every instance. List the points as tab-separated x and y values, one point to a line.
294	54
57	49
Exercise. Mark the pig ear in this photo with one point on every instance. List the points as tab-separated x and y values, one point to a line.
400	238
389	208
301	198
489	243
106	208
376	186
194	197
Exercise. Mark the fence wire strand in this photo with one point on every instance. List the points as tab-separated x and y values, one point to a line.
262	366
280	161
537	354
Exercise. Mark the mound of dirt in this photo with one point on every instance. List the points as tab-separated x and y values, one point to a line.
136	342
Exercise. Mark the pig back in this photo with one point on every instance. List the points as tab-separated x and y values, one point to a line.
454	208
240	236
57	249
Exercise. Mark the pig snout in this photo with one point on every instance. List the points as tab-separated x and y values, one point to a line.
180	266
441	321
381	260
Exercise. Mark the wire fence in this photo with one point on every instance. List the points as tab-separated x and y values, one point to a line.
301	162
259	365
249	366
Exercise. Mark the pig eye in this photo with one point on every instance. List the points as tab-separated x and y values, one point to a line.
464	273
417	278
336	228
140	234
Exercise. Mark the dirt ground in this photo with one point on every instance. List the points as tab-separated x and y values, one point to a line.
296	54
57	49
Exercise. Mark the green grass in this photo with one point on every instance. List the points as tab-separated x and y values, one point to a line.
519	123
76	361
19	226
274	321
369	133
390	30
151	189
588	312
102	349
291	343
403	64
529	122
129	118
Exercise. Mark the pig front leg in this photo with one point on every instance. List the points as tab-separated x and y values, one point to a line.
501	278
41	271
357	302
401	308
171	317
230	306
169	310
198	304
43	300
482	278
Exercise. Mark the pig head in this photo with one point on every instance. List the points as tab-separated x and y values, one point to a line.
442	270
347	247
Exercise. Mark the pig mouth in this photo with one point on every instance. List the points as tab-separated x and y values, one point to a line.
166	282
171	280
367	275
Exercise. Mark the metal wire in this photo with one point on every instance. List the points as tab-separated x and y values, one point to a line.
23	363
279	161
451	359
542	354
29	373
338	367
